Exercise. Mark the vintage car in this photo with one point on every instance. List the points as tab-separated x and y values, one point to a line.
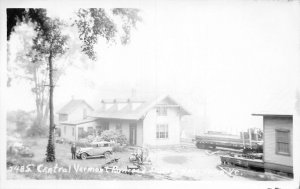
96	149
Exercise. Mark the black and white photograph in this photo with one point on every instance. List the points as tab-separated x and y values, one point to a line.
151	91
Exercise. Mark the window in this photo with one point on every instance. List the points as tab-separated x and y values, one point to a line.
119	127
283	142
63	117
162	131
80	132
161	111
84	114
105	145
65	130
73	131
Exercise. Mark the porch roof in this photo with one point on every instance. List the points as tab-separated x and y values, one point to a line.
79	122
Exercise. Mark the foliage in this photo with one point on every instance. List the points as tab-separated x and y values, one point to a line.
93	23
16	15
129	17
83	134
22	119
36	130
112	135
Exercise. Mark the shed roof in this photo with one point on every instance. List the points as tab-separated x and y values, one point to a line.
273	115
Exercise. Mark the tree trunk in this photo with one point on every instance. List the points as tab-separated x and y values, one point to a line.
51	148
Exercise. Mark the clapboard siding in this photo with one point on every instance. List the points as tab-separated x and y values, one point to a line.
270	126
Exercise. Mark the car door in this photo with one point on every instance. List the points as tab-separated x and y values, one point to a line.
102	149
93	150
98	150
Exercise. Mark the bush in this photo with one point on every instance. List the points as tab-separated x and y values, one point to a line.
82	144
22	120
83	134
36	130
112	135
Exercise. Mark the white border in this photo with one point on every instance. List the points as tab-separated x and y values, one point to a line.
119	184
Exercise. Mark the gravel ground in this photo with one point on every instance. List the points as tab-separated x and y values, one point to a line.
192	163
181	163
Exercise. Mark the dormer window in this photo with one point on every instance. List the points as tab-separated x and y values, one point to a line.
161	111
63	117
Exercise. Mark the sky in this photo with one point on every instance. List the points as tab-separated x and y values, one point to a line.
222	60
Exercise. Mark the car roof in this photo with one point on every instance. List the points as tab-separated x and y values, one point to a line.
101	142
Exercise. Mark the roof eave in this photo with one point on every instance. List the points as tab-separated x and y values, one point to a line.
272	115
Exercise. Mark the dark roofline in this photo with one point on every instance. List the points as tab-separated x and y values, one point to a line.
273	115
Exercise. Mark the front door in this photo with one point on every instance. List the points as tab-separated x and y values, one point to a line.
132	134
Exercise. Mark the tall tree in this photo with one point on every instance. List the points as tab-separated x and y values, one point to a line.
50	43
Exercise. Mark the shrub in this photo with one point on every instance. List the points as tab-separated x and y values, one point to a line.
112	135
82	144
22	120
83	134
36	130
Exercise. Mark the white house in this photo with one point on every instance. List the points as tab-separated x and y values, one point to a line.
73	118
153	122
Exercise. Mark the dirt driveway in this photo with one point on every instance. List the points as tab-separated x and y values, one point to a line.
181	163
190	163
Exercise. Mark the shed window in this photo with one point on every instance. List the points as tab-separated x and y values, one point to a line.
162	131
283	142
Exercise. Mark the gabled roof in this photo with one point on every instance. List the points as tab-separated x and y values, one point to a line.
72	105
131	109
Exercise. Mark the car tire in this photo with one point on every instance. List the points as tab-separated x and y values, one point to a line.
107	155
83	156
